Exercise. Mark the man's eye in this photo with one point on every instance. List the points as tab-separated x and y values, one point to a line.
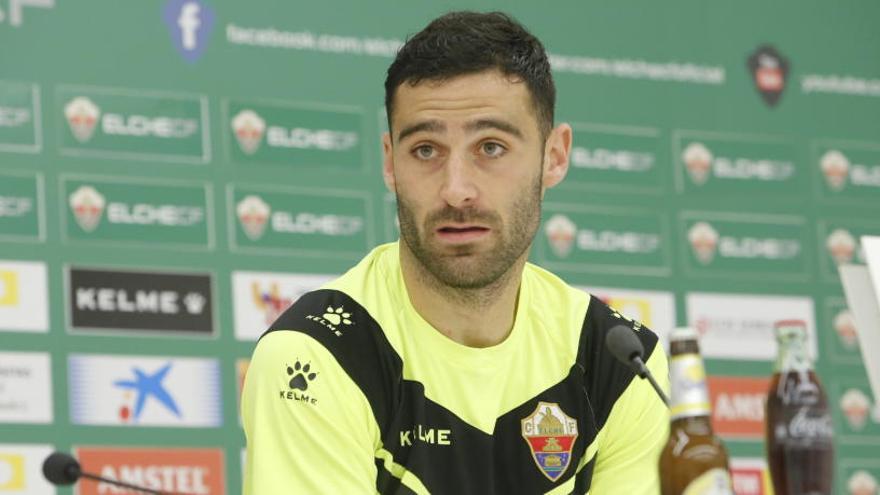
424	152
492	149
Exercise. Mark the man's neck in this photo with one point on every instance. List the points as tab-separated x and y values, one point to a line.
480	317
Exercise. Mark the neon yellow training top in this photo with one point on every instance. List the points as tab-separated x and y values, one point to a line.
351	391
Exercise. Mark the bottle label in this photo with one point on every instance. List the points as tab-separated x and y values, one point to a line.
713	482
690	396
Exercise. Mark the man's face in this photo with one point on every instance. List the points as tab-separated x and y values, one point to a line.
468	165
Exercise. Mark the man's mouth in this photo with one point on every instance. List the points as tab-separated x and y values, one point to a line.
457	234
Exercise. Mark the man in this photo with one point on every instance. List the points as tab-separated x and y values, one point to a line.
444	363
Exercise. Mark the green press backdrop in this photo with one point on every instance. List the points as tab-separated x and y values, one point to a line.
175	172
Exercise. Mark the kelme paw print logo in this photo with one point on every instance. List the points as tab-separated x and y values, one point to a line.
337	316
301	376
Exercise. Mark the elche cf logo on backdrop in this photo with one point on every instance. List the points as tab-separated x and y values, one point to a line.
82	116
769	70
249	129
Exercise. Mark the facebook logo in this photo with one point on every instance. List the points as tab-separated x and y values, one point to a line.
190	23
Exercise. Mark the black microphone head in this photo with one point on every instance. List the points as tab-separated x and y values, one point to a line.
61	469
624	345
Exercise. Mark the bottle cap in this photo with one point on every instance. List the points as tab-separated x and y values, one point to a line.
790	329
683	333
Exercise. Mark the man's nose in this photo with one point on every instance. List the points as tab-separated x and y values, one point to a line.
459	182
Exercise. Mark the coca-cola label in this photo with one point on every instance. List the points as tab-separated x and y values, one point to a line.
806	426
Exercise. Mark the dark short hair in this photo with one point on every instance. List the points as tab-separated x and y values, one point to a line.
461	43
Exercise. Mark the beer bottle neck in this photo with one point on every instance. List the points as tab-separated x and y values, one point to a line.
690	395
793	355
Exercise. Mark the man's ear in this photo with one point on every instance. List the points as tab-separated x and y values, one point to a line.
556	154
388	162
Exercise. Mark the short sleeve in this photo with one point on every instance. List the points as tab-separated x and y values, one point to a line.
309	428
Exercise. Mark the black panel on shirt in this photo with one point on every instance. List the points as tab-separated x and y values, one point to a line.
475	462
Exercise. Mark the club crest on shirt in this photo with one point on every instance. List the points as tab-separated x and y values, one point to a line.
550	434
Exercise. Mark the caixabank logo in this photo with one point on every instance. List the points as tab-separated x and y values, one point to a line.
624	158
197	471
296	134
135	391
132	302
137	212
748	246
20	127
329	223
21	206
714	164
769	70
849	171
128	124
602	239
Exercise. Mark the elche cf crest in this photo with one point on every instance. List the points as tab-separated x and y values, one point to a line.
249	128
253	214
82	115
87	205
550	434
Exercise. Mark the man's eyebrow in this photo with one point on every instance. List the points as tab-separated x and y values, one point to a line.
500	125
428	125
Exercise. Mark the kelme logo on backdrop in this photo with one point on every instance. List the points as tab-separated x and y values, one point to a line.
745	245
731	164
580	238
189	23
292	134
21	206
324	223
133	124
853	173
137	212
19	119
769	72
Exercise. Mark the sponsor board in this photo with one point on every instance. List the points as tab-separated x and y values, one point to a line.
24	297
189	24
20	127
137	212
741	326
259	298
839	328
846	170
855	411
607	157
295	134
858	476
324	223
653	309
738	405
135	391
196	471
22	215
25	387
582	238
744	245
140	302
136	124
21	469
840	243
718	164
750	476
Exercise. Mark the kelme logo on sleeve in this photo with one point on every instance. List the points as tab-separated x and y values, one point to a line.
625	158
21	206
133	211
839	243
133	124
729	164
849	170
20	117
304	221
744	245
602	239
295	134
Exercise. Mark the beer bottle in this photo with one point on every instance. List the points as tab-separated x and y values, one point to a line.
798	428
694	461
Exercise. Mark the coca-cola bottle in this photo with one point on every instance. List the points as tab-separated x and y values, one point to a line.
798	430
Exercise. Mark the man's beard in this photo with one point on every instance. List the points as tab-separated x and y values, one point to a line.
462	267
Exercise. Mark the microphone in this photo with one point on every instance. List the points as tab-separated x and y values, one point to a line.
62	469
628	349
